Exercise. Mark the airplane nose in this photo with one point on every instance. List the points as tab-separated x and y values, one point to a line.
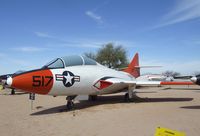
9	81
194	79
36	81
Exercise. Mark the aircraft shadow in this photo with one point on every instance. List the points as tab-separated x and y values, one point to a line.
191	107
102	100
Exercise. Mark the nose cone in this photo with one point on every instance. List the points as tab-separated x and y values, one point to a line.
194	79
35	81
9	81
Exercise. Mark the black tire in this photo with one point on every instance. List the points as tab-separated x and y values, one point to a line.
70	105
12	91
126	98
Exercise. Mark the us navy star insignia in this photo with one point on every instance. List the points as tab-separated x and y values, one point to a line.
68	78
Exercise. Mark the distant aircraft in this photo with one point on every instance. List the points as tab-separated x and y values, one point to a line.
194	79
77	75
3	79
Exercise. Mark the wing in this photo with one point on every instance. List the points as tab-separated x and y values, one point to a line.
112	85
162	83
148	83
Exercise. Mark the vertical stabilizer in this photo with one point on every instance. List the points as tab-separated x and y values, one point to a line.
133	67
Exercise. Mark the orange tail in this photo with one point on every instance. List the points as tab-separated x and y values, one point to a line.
133	67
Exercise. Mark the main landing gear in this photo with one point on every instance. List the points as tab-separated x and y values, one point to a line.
128	97
70	102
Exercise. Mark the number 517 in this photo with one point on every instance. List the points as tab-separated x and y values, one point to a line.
39	81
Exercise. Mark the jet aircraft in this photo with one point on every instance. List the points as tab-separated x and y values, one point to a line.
78	75
3	79
194	79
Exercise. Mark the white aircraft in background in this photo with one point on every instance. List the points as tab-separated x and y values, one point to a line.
194	79
78	75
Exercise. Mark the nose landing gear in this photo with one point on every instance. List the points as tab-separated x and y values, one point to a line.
70	102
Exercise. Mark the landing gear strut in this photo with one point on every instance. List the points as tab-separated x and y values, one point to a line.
128	97
70	103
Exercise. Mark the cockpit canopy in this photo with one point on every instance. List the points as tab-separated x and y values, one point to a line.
67	61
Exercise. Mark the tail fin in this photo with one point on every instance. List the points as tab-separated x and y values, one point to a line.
133	67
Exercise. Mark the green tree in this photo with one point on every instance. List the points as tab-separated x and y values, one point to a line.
112	56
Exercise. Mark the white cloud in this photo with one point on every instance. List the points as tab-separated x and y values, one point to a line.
44	35
65	43
94	16
183	10
97	43
100	43
28	49
80	43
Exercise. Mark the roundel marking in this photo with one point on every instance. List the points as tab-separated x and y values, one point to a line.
68	78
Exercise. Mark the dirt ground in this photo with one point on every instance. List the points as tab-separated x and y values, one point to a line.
176	108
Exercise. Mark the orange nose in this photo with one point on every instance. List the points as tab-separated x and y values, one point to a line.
37	81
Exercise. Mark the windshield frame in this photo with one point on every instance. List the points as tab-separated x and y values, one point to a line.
46	66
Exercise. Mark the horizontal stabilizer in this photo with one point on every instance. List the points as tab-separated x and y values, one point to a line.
148	66
134	67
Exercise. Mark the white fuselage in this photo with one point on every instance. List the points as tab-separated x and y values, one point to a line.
88	76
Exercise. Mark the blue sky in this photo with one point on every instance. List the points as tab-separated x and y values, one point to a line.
164	32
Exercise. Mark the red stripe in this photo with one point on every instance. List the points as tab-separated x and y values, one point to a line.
59	76
177	83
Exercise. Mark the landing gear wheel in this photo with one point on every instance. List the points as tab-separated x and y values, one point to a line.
70	105
127	98
12	91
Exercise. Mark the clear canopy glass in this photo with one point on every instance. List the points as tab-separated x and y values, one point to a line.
74	60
